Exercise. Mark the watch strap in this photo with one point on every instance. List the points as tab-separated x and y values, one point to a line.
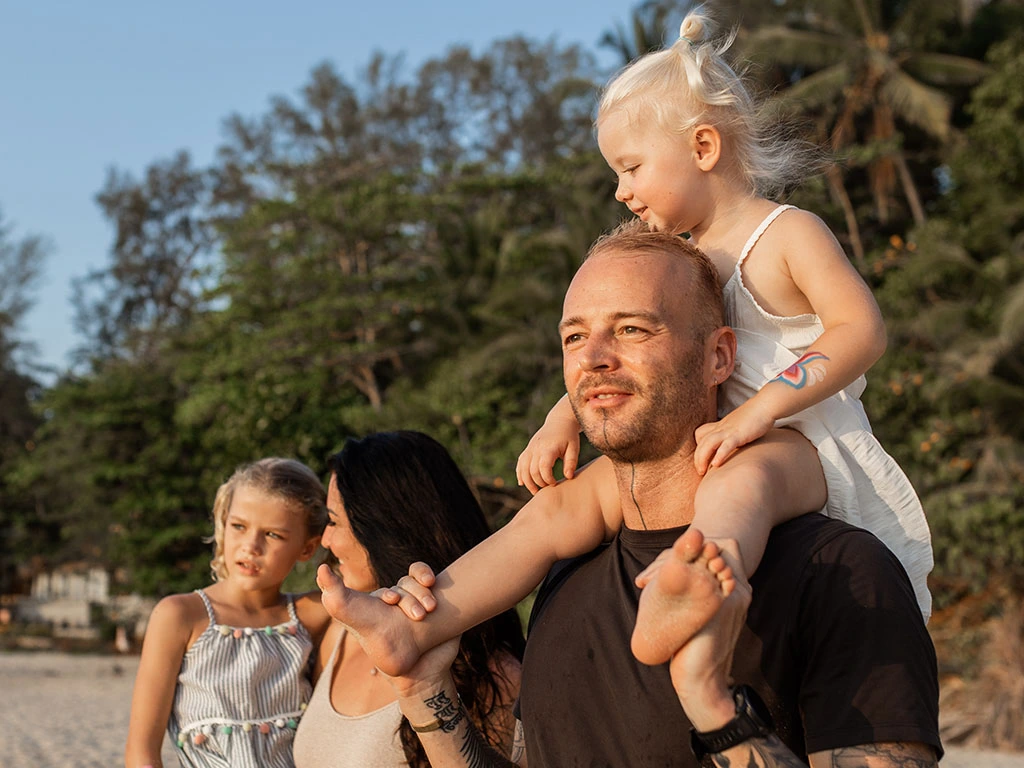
752	719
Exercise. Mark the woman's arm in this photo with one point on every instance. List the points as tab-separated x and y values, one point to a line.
168	633
428	699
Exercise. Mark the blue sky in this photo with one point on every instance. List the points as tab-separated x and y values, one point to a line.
89	86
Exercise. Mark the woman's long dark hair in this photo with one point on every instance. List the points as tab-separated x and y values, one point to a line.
406	500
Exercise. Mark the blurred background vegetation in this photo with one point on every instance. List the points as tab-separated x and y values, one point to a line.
389	249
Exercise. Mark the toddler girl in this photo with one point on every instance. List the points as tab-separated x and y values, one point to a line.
225	670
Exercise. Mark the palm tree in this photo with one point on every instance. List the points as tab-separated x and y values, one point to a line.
868	75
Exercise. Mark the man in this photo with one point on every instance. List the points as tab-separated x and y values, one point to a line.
833	641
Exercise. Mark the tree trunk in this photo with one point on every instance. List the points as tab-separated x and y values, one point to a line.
909	188
838	189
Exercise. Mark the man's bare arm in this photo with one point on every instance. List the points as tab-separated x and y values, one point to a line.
770	752
883	755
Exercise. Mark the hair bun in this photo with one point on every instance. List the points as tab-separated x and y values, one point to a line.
693	28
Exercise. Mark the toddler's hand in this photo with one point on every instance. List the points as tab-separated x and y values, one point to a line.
718	440
557	439
412	592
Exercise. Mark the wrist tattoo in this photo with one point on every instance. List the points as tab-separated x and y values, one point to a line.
805	372
448	713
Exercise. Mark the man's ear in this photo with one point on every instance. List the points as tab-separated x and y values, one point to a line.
707	146
721	355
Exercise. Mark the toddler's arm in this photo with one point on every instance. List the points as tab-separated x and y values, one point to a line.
561	521
853	339
167	637
558	438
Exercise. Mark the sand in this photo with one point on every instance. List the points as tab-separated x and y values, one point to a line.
71	711
66	711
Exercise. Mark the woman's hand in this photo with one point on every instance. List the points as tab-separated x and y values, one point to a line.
428	674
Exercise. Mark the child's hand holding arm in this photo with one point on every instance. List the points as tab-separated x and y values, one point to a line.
852	341
558	438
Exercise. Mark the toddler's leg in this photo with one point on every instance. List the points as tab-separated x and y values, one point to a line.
765	483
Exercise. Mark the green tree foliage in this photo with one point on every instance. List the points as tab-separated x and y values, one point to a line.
21	263
953	386
869	75
387	255
392	252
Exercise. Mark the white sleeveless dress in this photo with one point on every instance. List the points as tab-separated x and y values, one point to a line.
866	487
241	692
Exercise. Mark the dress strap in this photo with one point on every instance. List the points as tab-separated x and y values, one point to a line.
756	235
291	607
209	607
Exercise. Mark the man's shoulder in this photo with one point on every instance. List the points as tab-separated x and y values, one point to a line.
816	559
814	534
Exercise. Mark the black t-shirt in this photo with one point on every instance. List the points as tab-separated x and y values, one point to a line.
834	643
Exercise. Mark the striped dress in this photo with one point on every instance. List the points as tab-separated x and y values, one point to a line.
240	694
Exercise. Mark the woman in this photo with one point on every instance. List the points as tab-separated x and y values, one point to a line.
395	498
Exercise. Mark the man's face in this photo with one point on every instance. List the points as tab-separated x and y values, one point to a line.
634	372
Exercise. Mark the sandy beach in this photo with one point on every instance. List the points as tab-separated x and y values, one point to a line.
66	710
71	711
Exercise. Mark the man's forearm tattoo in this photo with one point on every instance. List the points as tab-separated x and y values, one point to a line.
805	372
894	754
518	743
764	752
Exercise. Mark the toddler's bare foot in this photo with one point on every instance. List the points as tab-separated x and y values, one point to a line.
682	595
382	630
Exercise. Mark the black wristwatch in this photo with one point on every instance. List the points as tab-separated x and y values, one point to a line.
752	719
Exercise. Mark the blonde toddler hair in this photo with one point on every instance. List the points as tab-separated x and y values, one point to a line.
690	83
286	479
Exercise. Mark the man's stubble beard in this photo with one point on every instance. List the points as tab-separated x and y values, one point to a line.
658	430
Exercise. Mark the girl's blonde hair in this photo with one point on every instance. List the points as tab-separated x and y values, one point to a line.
690	83
291	481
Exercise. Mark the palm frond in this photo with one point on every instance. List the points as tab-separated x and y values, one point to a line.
793	47
944	69
822	89
917	104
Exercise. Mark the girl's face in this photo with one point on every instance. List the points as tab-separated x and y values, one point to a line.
263	539
353	561
658	176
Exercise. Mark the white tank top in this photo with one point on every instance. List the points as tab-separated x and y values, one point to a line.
328	739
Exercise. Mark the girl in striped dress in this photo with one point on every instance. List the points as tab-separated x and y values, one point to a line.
225	670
